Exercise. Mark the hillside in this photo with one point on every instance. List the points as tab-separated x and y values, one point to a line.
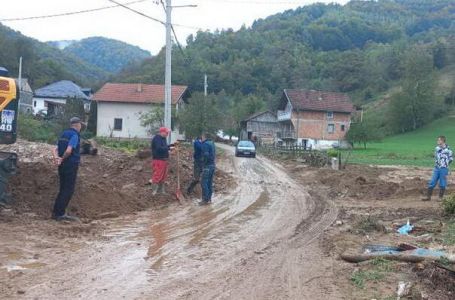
357	48
107	54
43	63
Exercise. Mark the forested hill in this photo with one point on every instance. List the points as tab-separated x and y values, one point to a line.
43	63
107	54
358	48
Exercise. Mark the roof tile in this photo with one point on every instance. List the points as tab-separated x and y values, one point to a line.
137	93
319	101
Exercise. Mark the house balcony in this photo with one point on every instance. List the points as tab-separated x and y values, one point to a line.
283	115
287	135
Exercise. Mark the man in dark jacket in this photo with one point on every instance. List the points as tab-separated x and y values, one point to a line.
208	169
197	165
160	156
67	158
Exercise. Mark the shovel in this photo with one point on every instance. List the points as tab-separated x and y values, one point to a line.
178	192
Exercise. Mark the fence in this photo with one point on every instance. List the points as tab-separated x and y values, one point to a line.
313	158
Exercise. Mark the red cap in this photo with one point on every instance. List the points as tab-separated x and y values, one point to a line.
164	130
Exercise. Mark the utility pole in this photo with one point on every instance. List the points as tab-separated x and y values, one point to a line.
168	72
167	76
20	73
205	85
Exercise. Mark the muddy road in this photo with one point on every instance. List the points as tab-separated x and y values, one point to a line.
260	241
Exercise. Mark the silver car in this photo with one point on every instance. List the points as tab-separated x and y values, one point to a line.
245	148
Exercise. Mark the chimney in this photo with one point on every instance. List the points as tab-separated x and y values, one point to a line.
139	88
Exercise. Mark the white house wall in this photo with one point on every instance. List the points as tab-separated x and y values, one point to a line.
128	112
131	125
39	103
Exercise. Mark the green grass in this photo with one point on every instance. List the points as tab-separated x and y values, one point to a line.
413	148
380	268
448	235
359	278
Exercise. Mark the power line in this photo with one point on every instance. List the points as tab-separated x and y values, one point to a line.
71	13
173	31
256	2
138	12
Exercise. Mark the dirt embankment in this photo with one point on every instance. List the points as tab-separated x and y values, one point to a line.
109	184
372	202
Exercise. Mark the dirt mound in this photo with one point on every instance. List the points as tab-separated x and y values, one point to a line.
108	185
358	183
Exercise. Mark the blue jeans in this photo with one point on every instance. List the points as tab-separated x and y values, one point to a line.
67	173
207	182
439	174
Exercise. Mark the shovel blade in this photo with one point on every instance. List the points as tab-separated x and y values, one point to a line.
179	196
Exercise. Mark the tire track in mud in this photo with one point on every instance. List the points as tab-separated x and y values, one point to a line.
287	267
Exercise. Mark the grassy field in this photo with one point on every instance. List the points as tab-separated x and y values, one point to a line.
413	148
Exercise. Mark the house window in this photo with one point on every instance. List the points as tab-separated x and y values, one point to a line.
34	103
331	128
118	124
330	115
343	127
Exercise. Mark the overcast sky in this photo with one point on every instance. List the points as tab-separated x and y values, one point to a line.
119	23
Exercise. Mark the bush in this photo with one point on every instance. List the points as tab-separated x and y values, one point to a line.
130	146
332	153
35	130
449	204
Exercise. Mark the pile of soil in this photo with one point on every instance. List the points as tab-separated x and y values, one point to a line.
109	184
359	184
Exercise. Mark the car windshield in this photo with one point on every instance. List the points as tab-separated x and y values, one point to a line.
246	144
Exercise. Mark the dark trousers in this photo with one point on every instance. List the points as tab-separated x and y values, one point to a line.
207	182
197	171
67	173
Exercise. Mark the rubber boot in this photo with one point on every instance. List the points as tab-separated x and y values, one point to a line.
429	193
161	189
441	193
155	188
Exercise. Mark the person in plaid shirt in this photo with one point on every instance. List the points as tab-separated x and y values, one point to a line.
443	156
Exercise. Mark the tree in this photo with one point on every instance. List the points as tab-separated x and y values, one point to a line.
200	116
363	133
153	119
93	117
416	104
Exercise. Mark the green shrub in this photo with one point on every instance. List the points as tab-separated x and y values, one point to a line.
35	130
332	153
130	146
449	204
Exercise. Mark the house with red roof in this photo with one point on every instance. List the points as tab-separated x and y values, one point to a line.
121	105
314	119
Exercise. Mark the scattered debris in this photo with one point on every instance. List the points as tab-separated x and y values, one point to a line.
405	229
404	289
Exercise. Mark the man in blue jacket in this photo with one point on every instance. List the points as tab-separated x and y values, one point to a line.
197	165
443	157
67	158
208	169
